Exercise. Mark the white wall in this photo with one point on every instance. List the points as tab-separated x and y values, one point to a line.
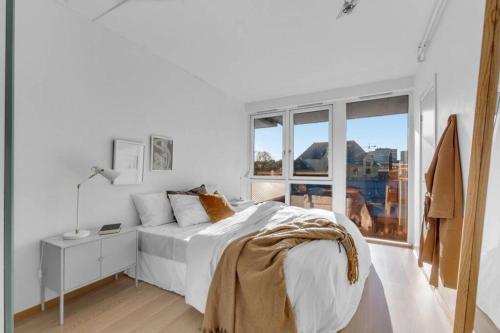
454	55
395	85
78	86
488	293
491	235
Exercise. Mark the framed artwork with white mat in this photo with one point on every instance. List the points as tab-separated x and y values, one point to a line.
128	160
162	153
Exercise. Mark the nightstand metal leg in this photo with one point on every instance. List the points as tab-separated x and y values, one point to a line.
136	282
42	297
61	309
42	281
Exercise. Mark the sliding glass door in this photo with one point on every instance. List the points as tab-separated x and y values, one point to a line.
377	167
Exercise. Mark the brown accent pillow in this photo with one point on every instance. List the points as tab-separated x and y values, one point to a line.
216	206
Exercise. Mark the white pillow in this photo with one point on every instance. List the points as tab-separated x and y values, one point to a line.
188	209
153	208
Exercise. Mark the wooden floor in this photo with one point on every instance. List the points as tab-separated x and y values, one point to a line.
396	298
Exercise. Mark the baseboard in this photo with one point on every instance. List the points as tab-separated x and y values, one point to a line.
483	323
73	294
444	306
379	241
437	294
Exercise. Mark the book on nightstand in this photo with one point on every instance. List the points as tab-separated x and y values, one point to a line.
110	229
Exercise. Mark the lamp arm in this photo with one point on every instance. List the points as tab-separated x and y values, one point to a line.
96	172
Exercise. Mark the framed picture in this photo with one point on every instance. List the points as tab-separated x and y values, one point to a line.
128	160
162	153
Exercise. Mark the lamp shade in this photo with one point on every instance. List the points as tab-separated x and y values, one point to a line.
109	174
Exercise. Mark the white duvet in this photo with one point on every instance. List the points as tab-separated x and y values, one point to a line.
315	272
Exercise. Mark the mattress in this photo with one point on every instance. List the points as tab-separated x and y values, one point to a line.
168	241
166	274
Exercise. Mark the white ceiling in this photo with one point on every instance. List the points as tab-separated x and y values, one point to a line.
258	49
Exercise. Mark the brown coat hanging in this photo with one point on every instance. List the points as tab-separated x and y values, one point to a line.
443	216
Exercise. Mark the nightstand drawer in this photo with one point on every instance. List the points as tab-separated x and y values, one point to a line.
81	264
118	252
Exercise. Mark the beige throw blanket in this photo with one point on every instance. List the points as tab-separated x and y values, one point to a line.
248	291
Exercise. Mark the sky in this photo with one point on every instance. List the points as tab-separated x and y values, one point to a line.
383	132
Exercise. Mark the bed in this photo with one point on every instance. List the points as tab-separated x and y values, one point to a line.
162	254
183	260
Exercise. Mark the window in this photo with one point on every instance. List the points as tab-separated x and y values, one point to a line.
268	191
268	146
311	196
311	144
288	147
294	154
377	138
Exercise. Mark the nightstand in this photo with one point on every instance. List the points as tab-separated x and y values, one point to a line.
67	265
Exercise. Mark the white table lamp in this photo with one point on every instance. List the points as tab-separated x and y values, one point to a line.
110	175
